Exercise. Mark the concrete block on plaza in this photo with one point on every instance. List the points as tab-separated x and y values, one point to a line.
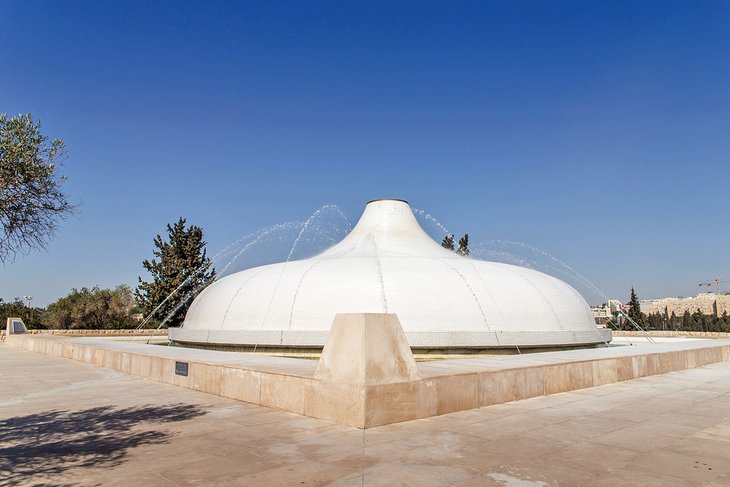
366	349
15	326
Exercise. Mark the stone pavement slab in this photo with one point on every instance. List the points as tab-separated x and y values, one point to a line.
65	422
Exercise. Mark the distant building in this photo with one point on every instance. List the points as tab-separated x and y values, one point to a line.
607	311
709	303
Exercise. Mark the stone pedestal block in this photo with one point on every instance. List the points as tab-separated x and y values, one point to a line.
15	326
366	349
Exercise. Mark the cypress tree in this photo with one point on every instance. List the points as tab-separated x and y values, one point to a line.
724	322
180	266
464	245
700	320
686	320
635	308
448	242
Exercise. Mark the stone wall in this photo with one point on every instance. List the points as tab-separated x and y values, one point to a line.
668	333
120	333
708	303
443	387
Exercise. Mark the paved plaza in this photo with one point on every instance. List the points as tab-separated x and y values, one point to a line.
64	422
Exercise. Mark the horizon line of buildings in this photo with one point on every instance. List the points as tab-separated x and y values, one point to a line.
708	303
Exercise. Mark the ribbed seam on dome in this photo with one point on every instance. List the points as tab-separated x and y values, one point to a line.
296	291
542	295
273	294
489	292
233	298
379	266
469	288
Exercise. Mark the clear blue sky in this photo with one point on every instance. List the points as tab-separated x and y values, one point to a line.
597	131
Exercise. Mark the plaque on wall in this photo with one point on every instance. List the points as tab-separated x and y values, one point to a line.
181	368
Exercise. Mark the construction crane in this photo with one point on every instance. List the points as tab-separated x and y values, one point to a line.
717	280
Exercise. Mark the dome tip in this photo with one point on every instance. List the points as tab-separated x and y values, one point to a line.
388	199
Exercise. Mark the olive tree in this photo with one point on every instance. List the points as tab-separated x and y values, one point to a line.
32	200
93	308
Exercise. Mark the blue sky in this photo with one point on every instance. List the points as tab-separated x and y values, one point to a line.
597	131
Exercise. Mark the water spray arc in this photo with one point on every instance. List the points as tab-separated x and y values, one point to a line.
240	247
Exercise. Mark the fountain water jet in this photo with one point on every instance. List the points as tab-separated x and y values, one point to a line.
224	263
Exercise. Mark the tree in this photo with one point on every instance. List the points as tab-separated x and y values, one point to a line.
701	320
32	201
674	322
687	323
656	321
448	242
93	308
179	272
635	308
32	317
724	322
464	245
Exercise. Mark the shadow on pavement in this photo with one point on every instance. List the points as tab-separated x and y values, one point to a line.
36	447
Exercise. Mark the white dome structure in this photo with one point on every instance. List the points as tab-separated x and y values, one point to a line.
389	264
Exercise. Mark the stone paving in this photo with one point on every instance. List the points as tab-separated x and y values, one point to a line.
64	422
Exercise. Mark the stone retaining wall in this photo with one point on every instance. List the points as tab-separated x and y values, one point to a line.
444	387
111	332
668	333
